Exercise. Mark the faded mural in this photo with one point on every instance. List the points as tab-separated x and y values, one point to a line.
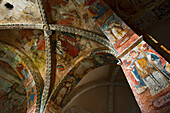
12	92
146	71
31	42
69	13
22	11
148	74
70	49
119	34
114	28
141	14
60	95
15	61
34	46
23	61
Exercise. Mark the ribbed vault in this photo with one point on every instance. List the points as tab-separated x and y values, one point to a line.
51	45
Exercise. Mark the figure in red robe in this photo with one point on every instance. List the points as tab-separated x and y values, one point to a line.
67	44
22	71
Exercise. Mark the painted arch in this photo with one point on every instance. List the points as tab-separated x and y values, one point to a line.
31	78
58	99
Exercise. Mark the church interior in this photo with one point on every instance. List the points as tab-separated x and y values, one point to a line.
84	56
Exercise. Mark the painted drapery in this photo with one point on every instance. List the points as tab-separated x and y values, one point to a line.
147	71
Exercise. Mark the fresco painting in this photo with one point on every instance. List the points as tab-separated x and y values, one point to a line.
147	78
114	28
147	72
31	42
34	45
69	13
12	92
126	42
69	48
9	56
22	11
140	14
66	88
148	75
60	95
118	33
95	8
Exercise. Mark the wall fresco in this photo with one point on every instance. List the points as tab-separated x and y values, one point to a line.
31	42
12	92
146	71
114	28
95	8
138	11
119	34
69	48
9	55
34	46
61	93
22	11
69	13
148	74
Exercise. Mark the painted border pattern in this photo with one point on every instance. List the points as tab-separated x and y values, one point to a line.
35	74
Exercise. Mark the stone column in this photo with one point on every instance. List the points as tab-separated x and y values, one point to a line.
146	71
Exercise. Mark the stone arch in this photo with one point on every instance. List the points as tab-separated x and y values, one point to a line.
97	58
92	85
78	109
27	72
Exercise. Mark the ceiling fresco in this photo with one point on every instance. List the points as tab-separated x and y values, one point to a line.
22	11
69	13
12	91
31	42
70	49
61	93
142	16
27	72
153	79
42	65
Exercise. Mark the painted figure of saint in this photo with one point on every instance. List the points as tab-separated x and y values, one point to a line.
116	28
137	81
69	45
67	85
109	30
158	62
22	71
148	73
64	12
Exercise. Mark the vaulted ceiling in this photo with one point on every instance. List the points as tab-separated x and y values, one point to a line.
49	44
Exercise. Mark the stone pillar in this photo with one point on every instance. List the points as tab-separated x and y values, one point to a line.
146	71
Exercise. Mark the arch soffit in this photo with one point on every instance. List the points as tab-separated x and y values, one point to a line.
89	86
96	59
27	72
